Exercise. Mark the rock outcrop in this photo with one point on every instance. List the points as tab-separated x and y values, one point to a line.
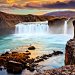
70	50
10	20
31	48
16	62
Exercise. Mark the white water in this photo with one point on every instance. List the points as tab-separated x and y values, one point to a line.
65	26
32	28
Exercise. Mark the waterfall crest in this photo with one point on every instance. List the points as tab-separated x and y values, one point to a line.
31	27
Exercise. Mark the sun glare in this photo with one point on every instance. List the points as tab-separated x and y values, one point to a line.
10	1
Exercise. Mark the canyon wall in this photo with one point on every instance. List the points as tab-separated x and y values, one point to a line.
70	50
10	20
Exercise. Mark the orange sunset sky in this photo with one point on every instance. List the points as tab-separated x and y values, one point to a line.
41	3
31	1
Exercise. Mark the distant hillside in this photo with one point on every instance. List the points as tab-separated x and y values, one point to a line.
10	20
62	13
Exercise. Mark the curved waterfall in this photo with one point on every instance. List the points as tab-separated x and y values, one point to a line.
32	27
42	28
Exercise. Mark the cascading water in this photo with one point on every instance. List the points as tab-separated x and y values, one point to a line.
65	26
32	27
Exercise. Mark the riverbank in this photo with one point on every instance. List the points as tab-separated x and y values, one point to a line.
15	61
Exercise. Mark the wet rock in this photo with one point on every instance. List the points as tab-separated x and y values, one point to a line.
31	67
14	67
14	52
27	51
50	55
30	60
6	53
57	52
15	62
31	48
46	56
39	60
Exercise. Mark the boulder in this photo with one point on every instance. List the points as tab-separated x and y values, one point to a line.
31	48
14	67
4	54
14	52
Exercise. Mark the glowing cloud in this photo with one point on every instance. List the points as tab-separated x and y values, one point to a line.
11	1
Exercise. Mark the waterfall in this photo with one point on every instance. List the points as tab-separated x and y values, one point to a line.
65	26
31	27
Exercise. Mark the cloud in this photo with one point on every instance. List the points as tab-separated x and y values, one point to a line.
31	1
43	3
70	4
47	4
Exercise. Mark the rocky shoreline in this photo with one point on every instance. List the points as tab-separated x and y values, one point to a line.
15	62
65	70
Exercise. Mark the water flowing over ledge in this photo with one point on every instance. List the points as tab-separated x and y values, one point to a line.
32	28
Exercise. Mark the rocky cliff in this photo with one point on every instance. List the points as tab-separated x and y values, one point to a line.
10	20
70	50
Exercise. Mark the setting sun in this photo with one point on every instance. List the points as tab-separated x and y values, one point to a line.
10	1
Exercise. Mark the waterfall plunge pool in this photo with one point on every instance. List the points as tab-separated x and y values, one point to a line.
41	38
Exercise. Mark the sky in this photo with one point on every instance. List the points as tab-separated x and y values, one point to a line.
41	3
34	1
52	1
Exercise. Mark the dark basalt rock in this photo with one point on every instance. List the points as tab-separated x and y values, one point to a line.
14	67
57	52
27	51
14	52
6	53
31	67
31	48
15	62
46	56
